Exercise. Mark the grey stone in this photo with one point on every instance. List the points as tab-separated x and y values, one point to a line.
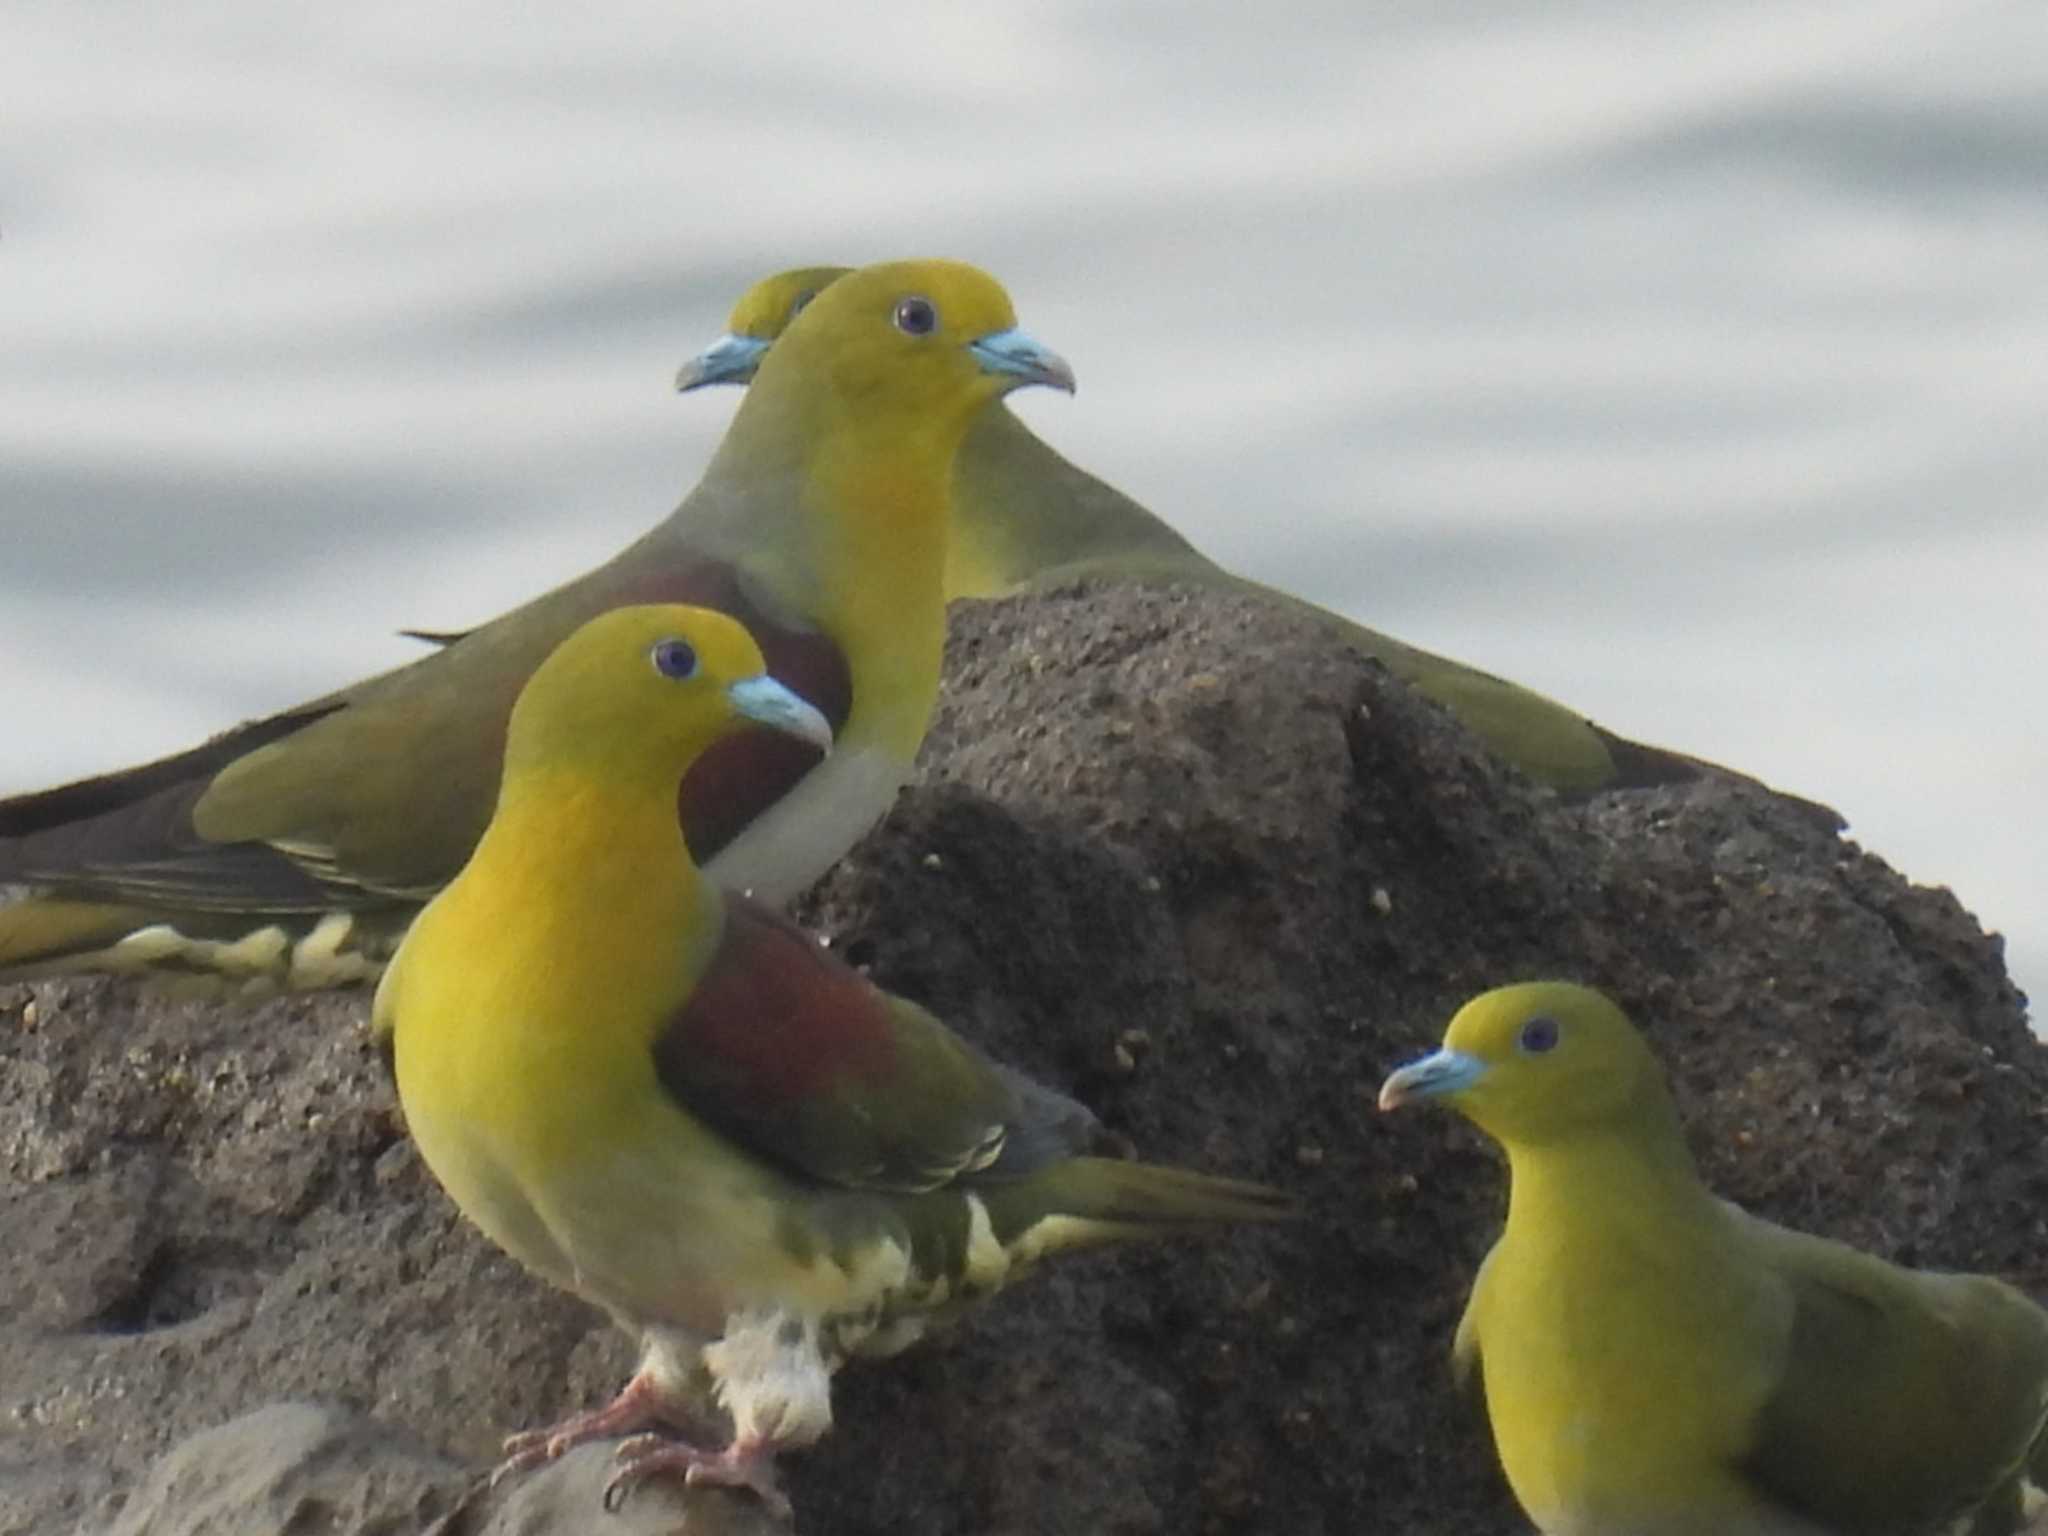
1180	854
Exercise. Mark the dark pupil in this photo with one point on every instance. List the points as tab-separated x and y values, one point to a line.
915	317
1539	1034
672	658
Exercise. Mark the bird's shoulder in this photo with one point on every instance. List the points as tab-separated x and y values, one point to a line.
390	786
795	1055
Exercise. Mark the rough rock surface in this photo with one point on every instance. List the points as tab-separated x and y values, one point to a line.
1174	852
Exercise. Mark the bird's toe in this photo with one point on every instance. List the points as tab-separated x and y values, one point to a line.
745	1464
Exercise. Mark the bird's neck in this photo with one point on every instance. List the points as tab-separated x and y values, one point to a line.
1609	1178
843	523
591	870
877	512
883	523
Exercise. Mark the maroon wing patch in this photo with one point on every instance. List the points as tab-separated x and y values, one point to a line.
776	1026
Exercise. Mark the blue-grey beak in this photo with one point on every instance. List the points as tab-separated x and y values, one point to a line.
766	700
1434	1075
728	360
1015	355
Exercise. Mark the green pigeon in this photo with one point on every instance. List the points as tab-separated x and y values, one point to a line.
1024	517
295	848
668	1099
1657	1362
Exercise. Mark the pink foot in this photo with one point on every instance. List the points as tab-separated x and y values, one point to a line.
640	1405
742	1464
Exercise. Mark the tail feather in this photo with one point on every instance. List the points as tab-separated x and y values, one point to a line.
1098	1200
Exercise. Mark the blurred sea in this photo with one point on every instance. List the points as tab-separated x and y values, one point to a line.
1686	363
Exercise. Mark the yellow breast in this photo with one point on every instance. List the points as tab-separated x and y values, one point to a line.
1616	1401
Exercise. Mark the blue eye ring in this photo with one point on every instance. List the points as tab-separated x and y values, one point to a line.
916	316
1538	1035
674	659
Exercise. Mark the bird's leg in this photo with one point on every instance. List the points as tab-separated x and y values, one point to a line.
642	1402
749	1462
771	1375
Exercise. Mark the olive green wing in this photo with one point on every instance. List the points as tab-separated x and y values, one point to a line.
1904	1401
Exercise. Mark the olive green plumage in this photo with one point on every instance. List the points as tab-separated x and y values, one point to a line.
296	848
1657	1362
670	1100
1028	519
1025	518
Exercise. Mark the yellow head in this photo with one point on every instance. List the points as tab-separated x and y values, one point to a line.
895	350
639	694
757	321
1534	1063
905	348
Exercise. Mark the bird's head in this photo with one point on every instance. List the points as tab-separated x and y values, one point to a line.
761	316
643	692
1534	1063
892	353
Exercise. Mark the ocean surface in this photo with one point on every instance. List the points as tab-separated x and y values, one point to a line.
1689	364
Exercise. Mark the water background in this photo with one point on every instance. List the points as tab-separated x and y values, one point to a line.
1686	363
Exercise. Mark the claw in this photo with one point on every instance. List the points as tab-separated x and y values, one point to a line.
639	1405
748	1464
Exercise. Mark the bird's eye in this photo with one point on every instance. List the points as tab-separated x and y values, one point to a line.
916	317
796	305
674	658
1539	1035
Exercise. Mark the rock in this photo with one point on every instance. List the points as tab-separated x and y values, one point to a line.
305	1467
292	1467
1175	852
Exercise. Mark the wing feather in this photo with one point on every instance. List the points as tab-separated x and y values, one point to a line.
1905	1400
801	1059
376	795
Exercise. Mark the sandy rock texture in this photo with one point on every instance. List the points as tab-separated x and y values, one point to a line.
1180	854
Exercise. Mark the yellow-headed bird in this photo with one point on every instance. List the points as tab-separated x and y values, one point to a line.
294	846
1657	1362
671	1101
1023	517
